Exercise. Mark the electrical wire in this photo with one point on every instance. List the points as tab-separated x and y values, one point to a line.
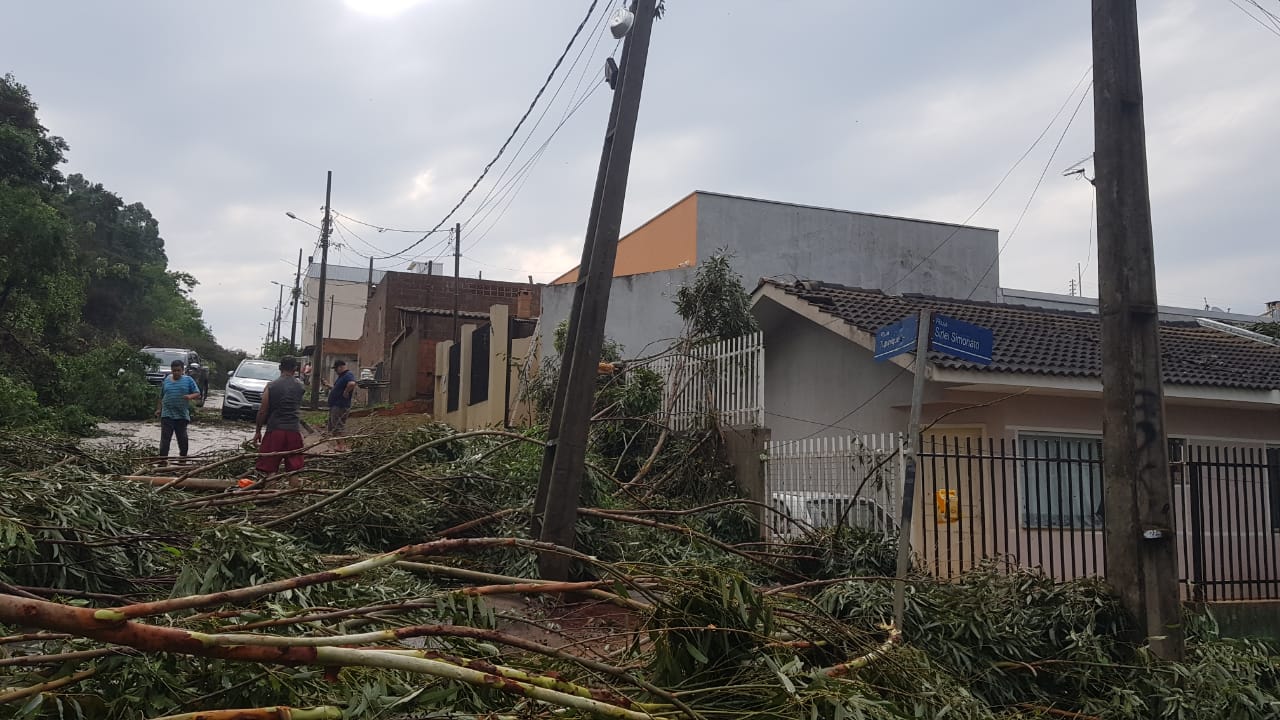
1273	28
526	173
1034	190
517	182
1088	251
547	107
550	76
381	228
996	189
918	356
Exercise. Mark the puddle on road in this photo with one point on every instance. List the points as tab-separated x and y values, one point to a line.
204	436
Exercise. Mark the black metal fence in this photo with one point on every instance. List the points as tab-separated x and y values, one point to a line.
1037	502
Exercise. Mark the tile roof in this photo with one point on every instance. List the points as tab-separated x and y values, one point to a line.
442	312
1054	342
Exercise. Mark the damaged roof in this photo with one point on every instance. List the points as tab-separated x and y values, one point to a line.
1041	341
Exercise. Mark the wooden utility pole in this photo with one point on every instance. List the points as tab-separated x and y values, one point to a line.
924	331
457	277
1142	555
297	292
560	483
279	313
317	353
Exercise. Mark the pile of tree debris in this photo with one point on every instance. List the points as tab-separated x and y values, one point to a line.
399	580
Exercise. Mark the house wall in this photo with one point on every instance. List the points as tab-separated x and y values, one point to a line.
382	322
640	310
770	239
503	378
349	301
667	241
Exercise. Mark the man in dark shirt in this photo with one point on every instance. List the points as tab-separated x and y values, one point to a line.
280	413
340	397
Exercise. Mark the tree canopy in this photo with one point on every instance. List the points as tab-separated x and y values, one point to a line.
84	280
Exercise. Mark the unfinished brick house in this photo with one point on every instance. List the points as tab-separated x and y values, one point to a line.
408	313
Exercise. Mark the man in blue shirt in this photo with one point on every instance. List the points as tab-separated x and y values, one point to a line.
340	397
174	407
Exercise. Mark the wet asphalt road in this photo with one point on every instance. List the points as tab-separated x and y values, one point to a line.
204	436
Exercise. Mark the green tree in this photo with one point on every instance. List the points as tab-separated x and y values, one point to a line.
84	282
715	306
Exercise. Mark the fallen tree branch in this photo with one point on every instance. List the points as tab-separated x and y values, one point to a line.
20	693
369	476
64	657
846	668
685	530
476	576
324	712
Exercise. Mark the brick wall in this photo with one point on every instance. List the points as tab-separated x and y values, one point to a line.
382	320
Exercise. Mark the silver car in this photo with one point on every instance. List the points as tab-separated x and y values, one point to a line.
245	386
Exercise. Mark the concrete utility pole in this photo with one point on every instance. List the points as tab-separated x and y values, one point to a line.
279	312
457	277
317	353
559	485
297	291
1142	557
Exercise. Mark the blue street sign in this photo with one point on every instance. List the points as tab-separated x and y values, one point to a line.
897	338
961	339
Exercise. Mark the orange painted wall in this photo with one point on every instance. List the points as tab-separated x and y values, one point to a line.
663	243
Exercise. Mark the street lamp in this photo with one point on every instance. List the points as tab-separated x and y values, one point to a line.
304	222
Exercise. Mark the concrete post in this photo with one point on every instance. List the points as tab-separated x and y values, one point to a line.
745	448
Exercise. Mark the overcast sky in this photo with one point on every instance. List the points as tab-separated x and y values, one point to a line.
220	117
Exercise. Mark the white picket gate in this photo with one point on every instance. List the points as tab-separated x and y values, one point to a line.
723	380
820	482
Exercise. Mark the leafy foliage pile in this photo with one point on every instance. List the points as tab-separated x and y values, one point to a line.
84	282
709	625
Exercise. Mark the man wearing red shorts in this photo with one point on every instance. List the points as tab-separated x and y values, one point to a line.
281	404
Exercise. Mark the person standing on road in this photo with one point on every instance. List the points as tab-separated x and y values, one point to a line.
173	407
280	413
340	397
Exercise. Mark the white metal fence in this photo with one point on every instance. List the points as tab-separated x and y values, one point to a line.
724	380
820	482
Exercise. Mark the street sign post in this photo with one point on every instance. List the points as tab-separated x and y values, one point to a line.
961	339
942	334
897	338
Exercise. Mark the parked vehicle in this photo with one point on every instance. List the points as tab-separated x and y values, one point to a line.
164	358
795	512
244	387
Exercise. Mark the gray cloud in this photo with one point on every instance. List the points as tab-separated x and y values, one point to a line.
220	117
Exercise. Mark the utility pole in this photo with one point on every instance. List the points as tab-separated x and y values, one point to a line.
317	353
457	277
560	482
279	311
297	291
1141	553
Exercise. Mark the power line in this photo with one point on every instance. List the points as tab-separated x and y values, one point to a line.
996	189
509	190
1034	190
1273	28
381	228
514	131
547	107
516	184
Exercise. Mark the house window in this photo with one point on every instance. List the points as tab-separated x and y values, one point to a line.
1061	481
